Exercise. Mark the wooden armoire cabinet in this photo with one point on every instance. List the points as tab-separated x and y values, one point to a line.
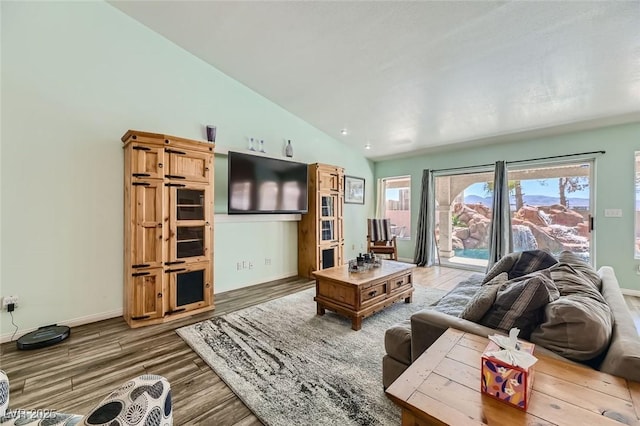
168	232
320	232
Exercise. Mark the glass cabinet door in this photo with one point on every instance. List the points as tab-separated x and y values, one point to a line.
327	205
190	241
328	229
190	204
190	236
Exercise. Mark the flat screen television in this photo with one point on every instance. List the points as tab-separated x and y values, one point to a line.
262	185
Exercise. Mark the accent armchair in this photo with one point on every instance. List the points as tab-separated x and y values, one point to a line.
379	238
145	400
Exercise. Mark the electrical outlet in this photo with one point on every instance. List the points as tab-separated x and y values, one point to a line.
267	261
612	212
7	300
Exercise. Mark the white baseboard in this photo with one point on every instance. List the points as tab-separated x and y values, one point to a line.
630	292
74	322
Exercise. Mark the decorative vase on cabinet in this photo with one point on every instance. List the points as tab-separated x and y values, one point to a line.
320	231
168	227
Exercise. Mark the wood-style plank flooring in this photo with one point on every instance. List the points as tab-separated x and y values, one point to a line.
78	373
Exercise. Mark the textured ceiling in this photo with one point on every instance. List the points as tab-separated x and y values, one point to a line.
413	76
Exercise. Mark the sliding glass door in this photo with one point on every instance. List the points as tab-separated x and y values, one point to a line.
550	207
463	218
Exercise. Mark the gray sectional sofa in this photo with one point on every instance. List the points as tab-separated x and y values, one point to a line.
407	340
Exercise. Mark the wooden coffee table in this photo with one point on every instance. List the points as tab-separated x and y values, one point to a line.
443	387
360	294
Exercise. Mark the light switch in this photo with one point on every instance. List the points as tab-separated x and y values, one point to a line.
612	212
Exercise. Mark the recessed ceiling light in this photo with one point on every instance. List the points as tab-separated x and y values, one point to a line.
344	132
367	146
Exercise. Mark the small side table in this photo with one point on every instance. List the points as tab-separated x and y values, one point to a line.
443	387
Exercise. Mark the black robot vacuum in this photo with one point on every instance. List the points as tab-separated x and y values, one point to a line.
43	337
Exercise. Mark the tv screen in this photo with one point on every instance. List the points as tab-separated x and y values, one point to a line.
266	185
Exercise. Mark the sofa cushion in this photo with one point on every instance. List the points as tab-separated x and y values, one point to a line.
531	261
581	266
569	280
484	298
454	302
519	303
579	325
397	341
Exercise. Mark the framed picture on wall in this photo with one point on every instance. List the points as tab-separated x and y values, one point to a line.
353	190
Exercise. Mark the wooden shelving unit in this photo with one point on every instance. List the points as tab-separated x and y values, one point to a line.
320	231
168	253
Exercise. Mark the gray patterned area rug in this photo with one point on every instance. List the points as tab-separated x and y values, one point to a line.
291	366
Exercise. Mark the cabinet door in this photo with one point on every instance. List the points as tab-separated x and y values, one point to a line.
329	225
193	166
328	179
328	257
190	231
147	301
148	162
190	287
340	217
148	244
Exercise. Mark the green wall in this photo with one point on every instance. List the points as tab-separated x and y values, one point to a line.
614	184
75	77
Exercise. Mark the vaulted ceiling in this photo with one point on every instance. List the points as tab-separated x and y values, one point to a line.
406	77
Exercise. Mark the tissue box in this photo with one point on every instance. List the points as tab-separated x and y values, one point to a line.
505	382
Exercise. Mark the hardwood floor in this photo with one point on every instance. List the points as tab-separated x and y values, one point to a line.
78	373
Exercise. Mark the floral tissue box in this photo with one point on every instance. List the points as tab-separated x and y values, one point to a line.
502	379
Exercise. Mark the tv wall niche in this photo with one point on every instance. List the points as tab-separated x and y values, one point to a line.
264	185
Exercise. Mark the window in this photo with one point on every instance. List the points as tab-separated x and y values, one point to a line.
394	203
637	242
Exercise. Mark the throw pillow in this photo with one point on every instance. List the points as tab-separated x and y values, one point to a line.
482	301
503	265
577	327
580	265
570	280
454	301
519	303
531	261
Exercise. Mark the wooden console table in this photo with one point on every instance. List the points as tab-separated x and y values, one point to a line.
443	387
360	294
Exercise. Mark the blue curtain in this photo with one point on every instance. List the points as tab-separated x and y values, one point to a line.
425	243
501	242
